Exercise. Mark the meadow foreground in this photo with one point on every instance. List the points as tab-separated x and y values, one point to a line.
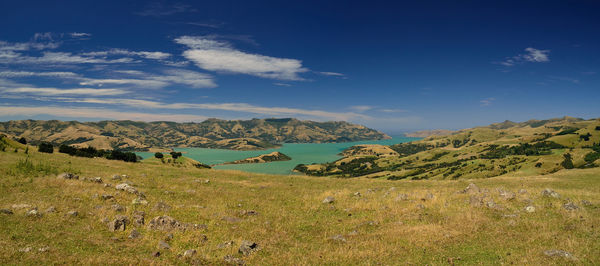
230	217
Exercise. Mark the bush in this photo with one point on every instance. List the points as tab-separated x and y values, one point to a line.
46	147
175	155
22	140
158	155
567	163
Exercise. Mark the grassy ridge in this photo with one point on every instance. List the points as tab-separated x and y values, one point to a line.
390	222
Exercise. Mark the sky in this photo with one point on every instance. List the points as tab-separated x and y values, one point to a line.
395	66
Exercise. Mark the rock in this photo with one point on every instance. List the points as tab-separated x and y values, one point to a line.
471	188
247	247
530	209
559	253
428	196
134	234
117	207
189	253
507	195
164	223
107	197
6	211
401	197
329	199
206	181
353	233
97	180
357	194
230	259
138	217
25	250
68	176
522	191
119	223
475	201
73	213
168	237
338	238
248	213
126	187
33	213
156	254
116	177
107	185
586	203
225	244
490	204
20	206
139	201
163	245
43	249
420	206
570	206
161	206
550	193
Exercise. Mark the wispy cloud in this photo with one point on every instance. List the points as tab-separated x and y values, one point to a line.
80	35
20	74
58	58
157	9
392	110
361	108
282	84
333	74
56	91
144	54
206	24
214	55
531	55
486	101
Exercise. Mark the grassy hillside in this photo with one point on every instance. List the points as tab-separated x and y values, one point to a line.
504	149
368	221
252	134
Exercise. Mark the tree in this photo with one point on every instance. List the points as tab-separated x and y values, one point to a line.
158	155
22	140
46	147
567	163
175	155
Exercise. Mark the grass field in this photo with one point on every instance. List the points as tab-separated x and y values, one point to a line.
388	222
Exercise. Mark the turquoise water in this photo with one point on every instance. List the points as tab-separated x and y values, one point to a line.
301	153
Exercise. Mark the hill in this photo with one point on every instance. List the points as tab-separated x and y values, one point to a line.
508	148
113	212
255	134
264	158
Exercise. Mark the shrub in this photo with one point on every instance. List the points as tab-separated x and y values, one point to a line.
175	155
567	163
158	155
46	147
22	140
538	165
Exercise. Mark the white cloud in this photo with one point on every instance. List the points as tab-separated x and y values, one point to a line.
168	77
532	55
220	56
80	35
282	84
144	54
98	113
56	91
20	74
392	110
332	74
361	108
487	101
58	58
25	46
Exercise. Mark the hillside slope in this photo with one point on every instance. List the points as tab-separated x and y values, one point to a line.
508	148
230	217
252	134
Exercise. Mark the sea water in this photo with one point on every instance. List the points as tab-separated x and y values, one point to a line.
301	153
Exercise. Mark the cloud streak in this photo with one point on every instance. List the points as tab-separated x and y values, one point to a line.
531	55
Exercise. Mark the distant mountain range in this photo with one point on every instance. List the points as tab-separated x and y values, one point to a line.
534	147
252	134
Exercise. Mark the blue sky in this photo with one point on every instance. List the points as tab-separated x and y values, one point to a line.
392	66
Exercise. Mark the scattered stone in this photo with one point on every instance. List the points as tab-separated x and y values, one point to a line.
514	215
25	250
507	195
138	217
522	191
117	207
107	185
471	188
338	238
73	213
126	187
164	223
530	209
6	211
230	259
169	237
134	234
247	247
161	206
20	206
43	249
490	204
586	203
107	197
119	223
225	244
392	189
475	201
329	199
559	253
189	253
353	233
33	213
550	193
248	213
401	197
428	196
570	206
97	180
68	176
116	177
420	206
163	245
156	254
206	181
357	194
139	201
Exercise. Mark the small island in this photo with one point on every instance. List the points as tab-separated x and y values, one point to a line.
264	158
